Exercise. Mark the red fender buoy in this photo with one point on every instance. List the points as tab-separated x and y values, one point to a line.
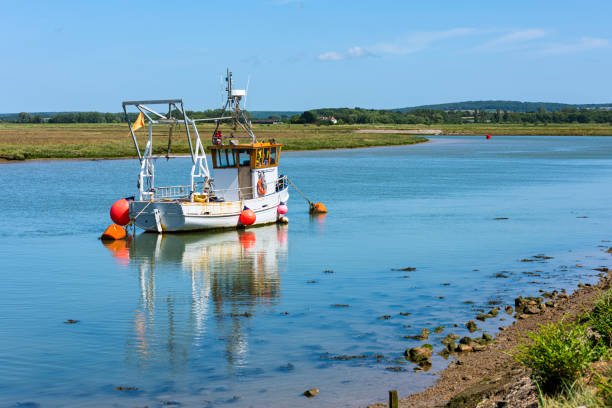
247	216
120	212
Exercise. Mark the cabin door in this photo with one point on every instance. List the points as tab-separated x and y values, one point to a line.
244	181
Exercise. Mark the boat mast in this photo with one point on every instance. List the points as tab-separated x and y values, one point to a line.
232	104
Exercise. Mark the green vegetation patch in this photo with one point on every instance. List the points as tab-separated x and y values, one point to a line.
601	317
559	353
110	140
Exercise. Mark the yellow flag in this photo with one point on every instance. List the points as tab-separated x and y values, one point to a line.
139	122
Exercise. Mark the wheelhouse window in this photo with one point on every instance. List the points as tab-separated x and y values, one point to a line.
225	158
263	157
244	157
266	156
273	154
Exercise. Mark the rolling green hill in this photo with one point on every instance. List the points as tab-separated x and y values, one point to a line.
510	106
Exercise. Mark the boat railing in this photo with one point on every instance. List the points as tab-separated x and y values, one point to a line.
244	193
172	192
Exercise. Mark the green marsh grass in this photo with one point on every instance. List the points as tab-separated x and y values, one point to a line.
35	141
601	317
112	140
571	396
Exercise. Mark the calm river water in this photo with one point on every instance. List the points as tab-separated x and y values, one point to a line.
247	318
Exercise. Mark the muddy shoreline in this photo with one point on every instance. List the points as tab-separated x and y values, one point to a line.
491	378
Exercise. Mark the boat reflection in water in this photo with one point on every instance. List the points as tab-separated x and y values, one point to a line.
190	282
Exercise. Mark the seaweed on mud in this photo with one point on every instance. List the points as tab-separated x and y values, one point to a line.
245	314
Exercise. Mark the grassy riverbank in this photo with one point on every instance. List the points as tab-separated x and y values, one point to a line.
34	141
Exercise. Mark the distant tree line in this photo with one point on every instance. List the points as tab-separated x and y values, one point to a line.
70	117
432	116
25	117
358	116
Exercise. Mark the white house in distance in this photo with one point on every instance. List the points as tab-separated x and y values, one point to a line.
329	119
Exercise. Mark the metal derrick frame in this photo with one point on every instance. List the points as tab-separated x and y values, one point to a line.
146	177
199	169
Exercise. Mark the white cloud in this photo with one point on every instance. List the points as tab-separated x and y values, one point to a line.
585	44
356	52
419	41
529	39
331	56
512	39
412	43
353	52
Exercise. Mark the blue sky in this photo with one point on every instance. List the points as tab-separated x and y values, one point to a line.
302	54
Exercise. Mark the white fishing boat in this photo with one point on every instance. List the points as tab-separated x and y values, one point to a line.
246	189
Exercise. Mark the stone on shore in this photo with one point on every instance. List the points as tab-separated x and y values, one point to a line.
463	348
471	326
311	392
420	354
451	337
423	336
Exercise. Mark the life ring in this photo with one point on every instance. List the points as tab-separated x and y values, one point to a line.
261	185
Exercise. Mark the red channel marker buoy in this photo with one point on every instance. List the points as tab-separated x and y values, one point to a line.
488	137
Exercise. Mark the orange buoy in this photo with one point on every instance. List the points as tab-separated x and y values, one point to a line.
120	212
113	232
318	208
247	216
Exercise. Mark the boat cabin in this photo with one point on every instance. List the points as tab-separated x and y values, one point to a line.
245	171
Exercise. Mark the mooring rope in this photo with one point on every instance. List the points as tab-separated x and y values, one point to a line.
145	207
299	191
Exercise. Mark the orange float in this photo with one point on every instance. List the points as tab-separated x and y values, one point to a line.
318	208
113	232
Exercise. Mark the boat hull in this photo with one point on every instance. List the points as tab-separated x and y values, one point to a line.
173	216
